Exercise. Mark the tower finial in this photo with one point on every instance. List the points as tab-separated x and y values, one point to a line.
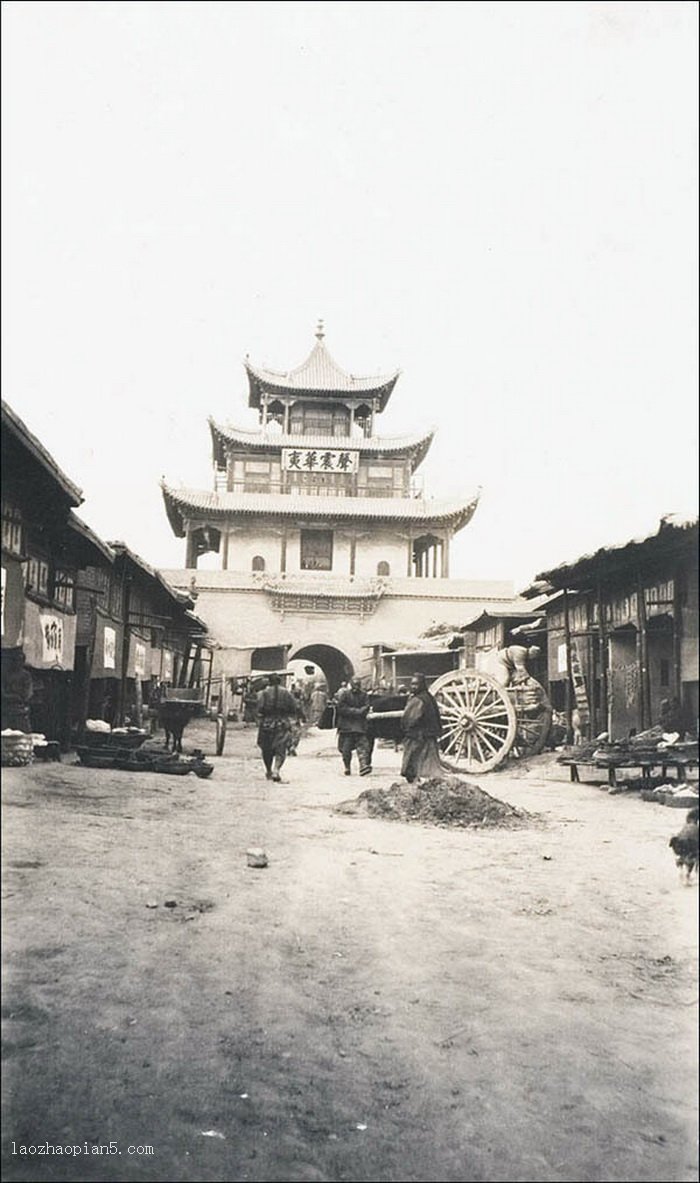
320	334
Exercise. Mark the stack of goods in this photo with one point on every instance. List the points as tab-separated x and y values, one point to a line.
17	748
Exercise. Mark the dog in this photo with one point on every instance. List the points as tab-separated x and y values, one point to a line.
684	845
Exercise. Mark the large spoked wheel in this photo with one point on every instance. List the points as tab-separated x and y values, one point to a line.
534	714
479	723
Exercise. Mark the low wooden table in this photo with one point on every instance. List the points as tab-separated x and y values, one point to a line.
680	764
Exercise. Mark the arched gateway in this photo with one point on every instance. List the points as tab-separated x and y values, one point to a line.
336	666
321	532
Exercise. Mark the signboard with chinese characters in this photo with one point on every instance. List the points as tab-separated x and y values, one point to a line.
109	658
166	669
49	638
319	460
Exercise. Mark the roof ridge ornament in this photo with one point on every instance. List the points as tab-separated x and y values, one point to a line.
320	331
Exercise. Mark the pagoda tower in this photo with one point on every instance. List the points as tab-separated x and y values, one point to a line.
315	494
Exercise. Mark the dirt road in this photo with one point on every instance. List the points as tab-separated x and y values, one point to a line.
384	1001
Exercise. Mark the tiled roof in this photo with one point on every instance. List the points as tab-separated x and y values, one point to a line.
201	503
14	426
181	598
414	445
320	374
94	544
324	585
674	530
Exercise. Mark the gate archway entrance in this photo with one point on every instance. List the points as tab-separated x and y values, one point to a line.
335	665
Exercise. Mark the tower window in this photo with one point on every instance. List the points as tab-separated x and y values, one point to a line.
316	550
383	568
258	563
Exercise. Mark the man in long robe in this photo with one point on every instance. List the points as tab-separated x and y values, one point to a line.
422	728
276	710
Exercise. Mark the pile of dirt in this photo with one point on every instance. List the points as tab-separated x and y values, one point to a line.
438	801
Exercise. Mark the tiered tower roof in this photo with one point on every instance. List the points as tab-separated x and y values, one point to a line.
182	504
415	447
319	374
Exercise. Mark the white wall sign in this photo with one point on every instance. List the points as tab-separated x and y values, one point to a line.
109	657
562	664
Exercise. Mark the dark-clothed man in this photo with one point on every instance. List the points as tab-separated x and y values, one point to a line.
422	727
17	691
276	711
352	708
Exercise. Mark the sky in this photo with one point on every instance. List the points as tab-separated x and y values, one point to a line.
500	199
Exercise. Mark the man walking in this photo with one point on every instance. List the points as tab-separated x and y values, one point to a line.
276	710
352	708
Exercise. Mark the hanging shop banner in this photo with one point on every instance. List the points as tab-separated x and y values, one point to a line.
166	666
49	638
12	603
562	663
140	659
109	647
319	460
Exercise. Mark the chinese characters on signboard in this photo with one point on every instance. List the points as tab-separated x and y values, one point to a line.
167	669
319	460
110	649
51	639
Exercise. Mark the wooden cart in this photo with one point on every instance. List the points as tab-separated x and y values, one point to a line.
483	722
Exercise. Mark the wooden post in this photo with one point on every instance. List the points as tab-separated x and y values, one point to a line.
435	551
211	666
353	548
567	639
126	636
409	570
195	664
603	658
283	551
191	550
138	701
89	657
591	678
643	657
677	611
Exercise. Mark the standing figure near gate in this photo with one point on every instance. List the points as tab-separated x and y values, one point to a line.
276	711
317	702
352	708
422	728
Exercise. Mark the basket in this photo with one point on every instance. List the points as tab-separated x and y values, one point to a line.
17	750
